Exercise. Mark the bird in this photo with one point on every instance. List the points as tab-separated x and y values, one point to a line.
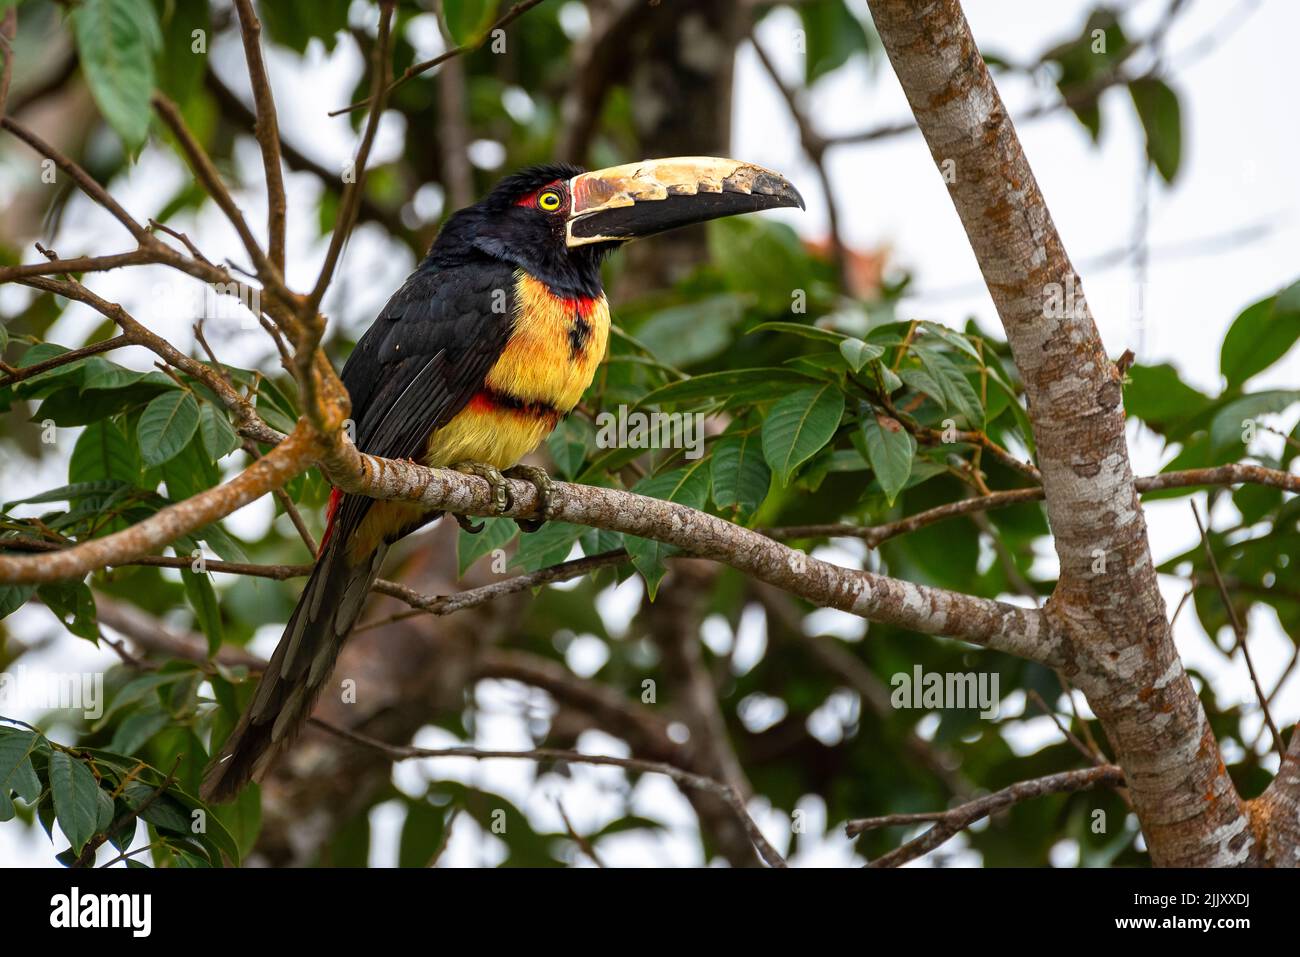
485	348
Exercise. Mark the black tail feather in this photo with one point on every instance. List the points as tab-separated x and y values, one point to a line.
327	609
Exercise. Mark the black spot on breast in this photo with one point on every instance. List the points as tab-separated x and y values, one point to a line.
579	333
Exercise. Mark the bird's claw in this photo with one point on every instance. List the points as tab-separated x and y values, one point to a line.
468	524
545	495
496	482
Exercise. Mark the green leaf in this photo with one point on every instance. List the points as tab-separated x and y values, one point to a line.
180	66
763	259
569	444
76	798
1260	335
275	407
497	533
69	493
74	606
167	425
802	329
923	382
99	373
858	353
116	44
751	384
832	35
73	407
959	394
740	475
686	486
1161	116
203	599
295	22
799	425
25	782
16	747
693	331
421	834
953	338
190	471
1230	422
220	541
1159	397
137	728
104	819
549	545
890	449
44	383
104	452
468	20
242	818
219	436
134	690
165	811
13	597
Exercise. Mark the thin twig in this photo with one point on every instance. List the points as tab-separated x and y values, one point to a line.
64	358
1240	631
266	130
873	535
583	844
518	10
684	778
381	67
8	30
949	823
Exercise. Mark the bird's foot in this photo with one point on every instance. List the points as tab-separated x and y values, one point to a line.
545	495
496	482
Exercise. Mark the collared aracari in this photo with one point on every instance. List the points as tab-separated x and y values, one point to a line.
485	348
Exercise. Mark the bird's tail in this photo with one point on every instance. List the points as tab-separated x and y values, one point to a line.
302	663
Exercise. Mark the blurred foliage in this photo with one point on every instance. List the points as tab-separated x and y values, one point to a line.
814	401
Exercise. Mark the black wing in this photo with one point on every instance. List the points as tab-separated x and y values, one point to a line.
423	359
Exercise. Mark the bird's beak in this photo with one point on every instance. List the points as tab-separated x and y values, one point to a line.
641	199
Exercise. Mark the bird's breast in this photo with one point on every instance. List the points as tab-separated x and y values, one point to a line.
548	362
554	349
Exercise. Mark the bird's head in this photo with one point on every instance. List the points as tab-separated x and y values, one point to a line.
558	222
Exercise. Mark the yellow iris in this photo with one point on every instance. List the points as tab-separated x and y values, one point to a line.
549	201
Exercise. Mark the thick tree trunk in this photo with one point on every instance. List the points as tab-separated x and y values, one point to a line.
1107	608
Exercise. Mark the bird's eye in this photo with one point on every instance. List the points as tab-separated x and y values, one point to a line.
549	201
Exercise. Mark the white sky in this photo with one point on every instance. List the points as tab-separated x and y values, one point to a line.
1237	178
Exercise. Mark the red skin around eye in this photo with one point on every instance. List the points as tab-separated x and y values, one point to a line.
531	199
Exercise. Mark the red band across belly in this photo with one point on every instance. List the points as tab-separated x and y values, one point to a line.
496	400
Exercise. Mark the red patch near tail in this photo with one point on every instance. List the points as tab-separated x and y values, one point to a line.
335	497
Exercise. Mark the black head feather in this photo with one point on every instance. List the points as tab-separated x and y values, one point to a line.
510	189
497	228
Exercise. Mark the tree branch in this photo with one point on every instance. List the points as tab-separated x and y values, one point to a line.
381	65
680	776
278	466
63	359
874	535
953	821
1238	630
266	130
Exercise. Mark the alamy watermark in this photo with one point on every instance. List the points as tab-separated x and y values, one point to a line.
651	430
935	690
53	690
